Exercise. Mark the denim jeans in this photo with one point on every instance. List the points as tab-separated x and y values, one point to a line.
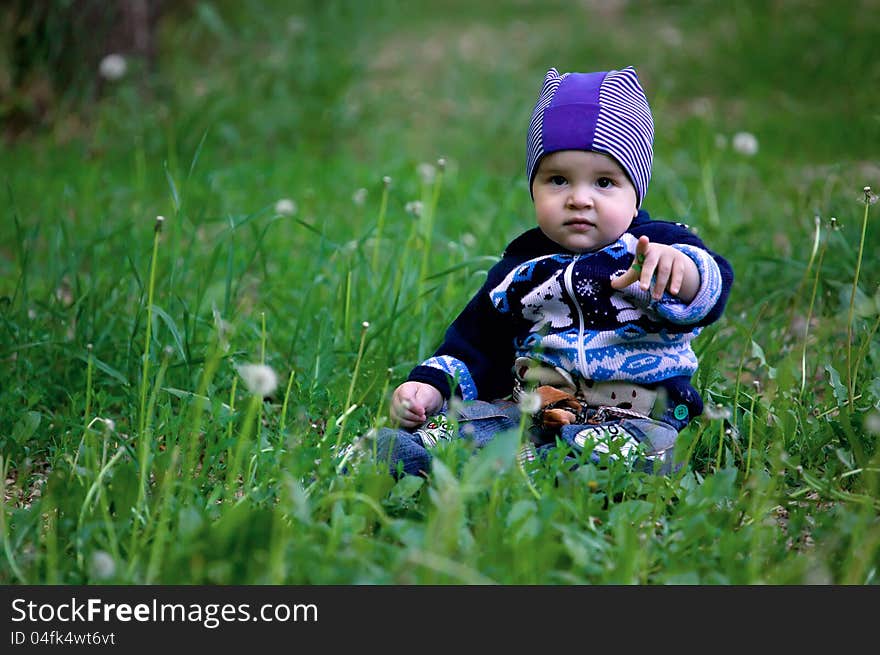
479	421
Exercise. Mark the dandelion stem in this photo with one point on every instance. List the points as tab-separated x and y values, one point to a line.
428	230
380	223
810	317
243	441
282	422
232	414
708	181
262	361
720	444
93	489
742	358
351	386
751	433
851	386
145	368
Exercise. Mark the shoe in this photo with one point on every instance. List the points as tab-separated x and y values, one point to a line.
435	429
610	439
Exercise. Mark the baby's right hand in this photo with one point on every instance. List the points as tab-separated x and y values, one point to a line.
413	402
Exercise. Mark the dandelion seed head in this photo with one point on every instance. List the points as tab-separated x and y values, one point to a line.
717	411
441	163
468	240
427	172
745	143
113	67
386	181
296	25
260	379
365	324
414	207
224	328
102	565
359	197
872	423
529	402
285	207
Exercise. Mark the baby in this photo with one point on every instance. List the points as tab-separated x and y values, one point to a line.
592	312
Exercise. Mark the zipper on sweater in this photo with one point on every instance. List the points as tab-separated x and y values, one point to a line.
581	362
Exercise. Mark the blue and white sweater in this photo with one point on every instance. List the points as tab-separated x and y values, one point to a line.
543	302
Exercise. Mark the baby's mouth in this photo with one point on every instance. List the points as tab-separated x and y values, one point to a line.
580	223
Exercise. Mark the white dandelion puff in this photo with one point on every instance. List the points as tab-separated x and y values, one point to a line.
296	25
260	380
359	197
529	402
113	67
745	143
414	207
285	207
717	411
468	240
427	172
102	565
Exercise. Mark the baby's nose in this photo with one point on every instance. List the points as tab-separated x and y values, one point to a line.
580	196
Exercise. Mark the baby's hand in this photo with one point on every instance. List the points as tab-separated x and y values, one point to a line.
670	269
413	402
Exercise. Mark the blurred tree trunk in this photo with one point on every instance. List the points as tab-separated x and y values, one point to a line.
55	47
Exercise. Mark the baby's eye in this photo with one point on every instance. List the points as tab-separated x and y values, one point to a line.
557	180
605	182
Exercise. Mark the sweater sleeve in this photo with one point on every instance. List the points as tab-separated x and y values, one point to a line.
475	360
716	279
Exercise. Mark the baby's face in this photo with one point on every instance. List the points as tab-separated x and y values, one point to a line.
583	200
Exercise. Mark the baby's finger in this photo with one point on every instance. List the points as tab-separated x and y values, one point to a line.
661	278
625	279
676	279
632	274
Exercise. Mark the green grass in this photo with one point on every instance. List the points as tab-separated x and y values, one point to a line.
133	453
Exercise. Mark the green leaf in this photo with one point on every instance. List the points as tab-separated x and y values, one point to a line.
840	393
175	196
865	306
521	509
758	353
172	327
492	460
26	427
105	368
407	487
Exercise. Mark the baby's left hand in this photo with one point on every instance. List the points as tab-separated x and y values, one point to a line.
670	269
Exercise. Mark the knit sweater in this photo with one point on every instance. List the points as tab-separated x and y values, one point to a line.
544	302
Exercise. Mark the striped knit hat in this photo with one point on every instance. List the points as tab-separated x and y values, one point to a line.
603	112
